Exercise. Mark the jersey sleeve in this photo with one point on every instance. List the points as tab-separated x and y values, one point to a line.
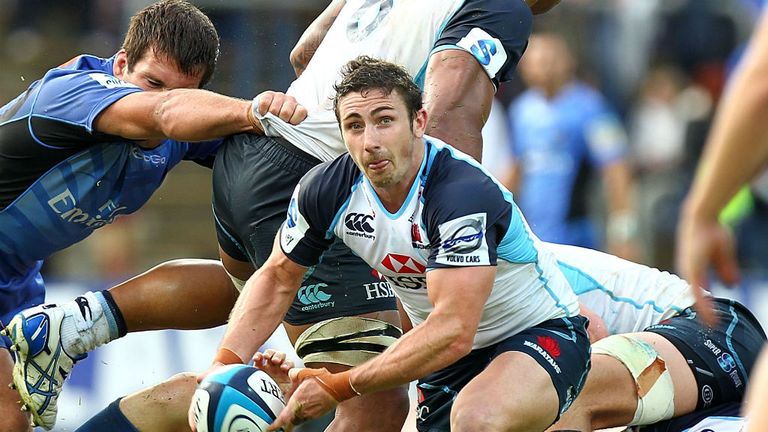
307	230
465	232
67	103
495	32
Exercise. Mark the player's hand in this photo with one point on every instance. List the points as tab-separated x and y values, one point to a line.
276	365
281	105
309	400
702	244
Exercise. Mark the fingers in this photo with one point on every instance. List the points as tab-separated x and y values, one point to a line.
705	308
281	105
273	358
290	415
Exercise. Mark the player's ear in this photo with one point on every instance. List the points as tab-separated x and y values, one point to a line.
120	66
420	122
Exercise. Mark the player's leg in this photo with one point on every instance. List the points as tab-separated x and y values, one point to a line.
381	411
12	418
533	377
642	367
182	294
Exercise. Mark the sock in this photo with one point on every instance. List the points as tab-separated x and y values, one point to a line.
91	320
109	419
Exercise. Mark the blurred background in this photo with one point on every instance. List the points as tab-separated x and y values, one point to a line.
657	69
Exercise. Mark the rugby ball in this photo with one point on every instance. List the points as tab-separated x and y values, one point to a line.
236	398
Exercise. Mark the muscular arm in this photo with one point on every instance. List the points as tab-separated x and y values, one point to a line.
312	37
459	296
458	96
262	304
736	149
180	114
622	224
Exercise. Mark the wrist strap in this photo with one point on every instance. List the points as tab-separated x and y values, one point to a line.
337	385
227	356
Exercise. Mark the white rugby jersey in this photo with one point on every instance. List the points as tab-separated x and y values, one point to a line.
405	32
628	296
719	424
455	215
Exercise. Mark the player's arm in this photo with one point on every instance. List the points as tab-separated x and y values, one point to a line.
260	308
734	154
622	222
312	37
541	6
459	296
191	114
457	95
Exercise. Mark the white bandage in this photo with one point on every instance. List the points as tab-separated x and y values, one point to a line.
239	283
655	391
349	341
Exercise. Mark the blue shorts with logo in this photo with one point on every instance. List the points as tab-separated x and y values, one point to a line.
560	346
21	287
721	358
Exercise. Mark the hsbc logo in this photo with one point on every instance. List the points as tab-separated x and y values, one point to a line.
359	225
403	264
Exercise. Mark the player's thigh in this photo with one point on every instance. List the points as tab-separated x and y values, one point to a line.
513	393
12	419
685	388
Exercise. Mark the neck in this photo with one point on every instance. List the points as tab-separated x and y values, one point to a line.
554	88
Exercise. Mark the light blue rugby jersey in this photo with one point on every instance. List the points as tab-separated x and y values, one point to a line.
456	215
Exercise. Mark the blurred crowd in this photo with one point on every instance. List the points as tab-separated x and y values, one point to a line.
653	72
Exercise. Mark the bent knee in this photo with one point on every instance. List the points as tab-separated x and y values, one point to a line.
481	419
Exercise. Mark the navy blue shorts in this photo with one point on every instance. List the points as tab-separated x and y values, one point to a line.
253	180
721	357
560	346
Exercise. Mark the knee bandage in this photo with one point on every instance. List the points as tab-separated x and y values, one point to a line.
349	341
655	392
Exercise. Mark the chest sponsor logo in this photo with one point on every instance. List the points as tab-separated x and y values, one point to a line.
313	297
488	50
377	290
359	225
66	206
403	264
110	81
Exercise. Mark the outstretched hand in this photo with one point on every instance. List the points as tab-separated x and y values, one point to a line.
703	244
276	365
309	400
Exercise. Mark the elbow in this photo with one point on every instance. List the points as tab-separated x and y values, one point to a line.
297	59
461	340
167	118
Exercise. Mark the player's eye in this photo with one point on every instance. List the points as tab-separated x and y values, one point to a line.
385	120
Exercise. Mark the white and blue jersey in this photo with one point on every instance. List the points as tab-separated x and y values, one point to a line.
557	143
407	33
628	296
60	179
455	215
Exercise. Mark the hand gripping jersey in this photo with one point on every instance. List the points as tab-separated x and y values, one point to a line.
60	179
628	296
405	32
455	215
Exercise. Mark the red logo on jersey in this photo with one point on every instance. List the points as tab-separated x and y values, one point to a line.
549	345
403	264
419	395
415	233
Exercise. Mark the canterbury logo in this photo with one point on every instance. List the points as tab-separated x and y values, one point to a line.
312	294
359	222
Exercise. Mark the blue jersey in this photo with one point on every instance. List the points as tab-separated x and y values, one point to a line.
556	142
456	215
60	179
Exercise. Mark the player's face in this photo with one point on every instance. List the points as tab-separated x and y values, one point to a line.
380	136
154	73
547	62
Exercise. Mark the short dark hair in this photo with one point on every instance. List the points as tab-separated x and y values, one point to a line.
364	74
177	30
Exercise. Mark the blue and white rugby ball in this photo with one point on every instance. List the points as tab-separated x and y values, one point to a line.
237	398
